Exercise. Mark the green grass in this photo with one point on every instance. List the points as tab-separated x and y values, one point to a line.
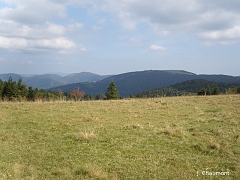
162	138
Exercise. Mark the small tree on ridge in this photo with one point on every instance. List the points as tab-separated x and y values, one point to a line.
112	92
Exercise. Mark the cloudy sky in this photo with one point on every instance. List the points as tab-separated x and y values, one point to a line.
117	36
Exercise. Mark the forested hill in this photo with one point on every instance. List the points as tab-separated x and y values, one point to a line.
196	86
134	82
46	81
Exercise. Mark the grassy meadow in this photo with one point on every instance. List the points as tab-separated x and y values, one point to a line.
161	138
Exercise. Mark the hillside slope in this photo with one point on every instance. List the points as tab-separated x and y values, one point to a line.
134	82
82	77
5	77
43	81
46	81
187	87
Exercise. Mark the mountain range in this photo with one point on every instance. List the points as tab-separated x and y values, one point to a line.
134	82
127	84
46	81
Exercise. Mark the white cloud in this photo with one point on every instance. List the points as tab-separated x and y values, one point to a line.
135	40
16	44
12	43
58	43
97	28
26	27
55	29
101	21
46	30
75	27
126	21
83	49
31	12
200	18
157	48
28	24
229	34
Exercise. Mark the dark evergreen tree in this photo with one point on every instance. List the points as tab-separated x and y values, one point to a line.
216	90
112	92
22	90
131	96
10	91
100	97
238	90
202	92
1	87
31	94
87	97
208	91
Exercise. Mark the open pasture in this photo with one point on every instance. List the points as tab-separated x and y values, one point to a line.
161	138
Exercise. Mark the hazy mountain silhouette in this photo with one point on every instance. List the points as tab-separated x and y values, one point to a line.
134	82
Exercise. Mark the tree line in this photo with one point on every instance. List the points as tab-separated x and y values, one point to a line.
18	91
192	87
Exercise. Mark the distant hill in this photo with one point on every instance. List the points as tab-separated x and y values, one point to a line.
5	77
219	78
47	81
188	87
82	77
43	81
134	82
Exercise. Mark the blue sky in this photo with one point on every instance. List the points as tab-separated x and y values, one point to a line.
118	36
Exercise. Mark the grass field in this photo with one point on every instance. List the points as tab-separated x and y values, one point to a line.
162	138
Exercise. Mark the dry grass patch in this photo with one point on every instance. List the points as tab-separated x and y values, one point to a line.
85	136
91	171
133	125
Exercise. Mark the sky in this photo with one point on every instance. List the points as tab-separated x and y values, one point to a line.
118	36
